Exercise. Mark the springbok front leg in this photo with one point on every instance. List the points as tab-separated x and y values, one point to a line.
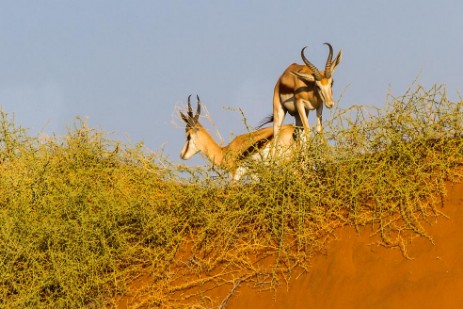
303	116
319	118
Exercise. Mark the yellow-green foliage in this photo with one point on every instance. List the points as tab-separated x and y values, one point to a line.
81	214
71	212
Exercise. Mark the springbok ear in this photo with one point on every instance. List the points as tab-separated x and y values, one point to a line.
336	61
185	118
304	77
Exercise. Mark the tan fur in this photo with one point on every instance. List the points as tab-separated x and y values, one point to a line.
241	148
297	92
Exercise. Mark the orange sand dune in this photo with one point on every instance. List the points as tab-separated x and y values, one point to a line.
356	274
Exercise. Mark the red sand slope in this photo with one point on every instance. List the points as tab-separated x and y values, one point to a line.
355	274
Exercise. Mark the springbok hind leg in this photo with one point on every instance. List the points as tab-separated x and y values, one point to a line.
278	116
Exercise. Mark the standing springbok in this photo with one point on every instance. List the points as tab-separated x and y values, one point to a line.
302	88
249	146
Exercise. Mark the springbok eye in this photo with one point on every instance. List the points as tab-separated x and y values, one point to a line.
332	82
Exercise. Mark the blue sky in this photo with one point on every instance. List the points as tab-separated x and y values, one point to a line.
129	65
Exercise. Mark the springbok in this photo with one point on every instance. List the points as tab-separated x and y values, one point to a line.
252	146
302	88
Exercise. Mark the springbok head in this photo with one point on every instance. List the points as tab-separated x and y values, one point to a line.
192	127
323	80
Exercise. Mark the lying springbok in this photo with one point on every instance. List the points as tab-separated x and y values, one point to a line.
302	88
249	146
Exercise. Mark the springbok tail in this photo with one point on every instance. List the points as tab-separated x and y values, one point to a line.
264	121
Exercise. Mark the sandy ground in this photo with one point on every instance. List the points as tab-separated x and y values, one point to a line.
356	272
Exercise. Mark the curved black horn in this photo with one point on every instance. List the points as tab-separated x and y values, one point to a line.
190	110
198	109
329	61
314	69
